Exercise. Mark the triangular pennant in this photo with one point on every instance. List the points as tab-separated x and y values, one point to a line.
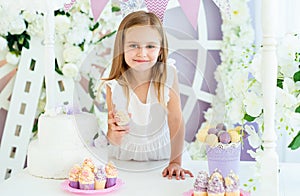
191	10
158	7
223	5
97	7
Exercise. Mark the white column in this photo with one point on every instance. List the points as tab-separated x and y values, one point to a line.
49	27
269	165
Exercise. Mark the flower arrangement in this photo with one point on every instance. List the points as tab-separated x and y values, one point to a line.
239	101
236	51
76	34
287	116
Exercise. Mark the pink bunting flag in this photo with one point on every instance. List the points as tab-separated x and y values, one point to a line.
97	7
191	10
157	7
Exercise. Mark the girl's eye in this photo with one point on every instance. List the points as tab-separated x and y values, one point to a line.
150	46
133	46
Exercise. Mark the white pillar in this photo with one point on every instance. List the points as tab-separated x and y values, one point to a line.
269	164
49	27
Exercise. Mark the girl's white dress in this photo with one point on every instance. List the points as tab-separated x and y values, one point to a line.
148	137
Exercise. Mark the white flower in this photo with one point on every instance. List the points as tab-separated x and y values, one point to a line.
12	58
3	43
253	138
75	36
62	24
284	99
236	112
72	54
257	155
70	70
17	25
29	16
36	27
81	20
255	67
253	104
239	12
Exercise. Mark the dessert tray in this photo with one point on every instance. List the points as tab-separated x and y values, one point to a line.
242	193
65	186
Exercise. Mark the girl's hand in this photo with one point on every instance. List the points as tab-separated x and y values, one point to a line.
115	133
174	169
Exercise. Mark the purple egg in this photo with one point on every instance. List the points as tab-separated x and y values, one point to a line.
224	137
221	126
213	131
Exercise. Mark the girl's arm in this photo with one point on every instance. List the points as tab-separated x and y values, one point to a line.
115	133
177	133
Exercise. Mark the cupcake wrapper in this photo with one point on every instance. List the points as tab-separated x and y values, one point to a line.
198	193
74	184
99	185
86	186
216	194
237	193
110	182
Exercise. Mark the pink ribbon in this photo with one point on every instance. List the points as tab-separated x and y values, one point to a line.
158	7
97	7
191	10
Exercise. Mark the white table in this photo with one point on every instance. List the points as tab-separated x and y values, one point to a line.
146	182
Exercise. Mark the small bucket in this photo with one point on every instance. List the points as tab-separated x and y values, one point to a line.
224	158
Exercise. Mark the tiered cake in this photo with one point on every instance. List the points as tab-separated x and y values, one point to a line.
63	140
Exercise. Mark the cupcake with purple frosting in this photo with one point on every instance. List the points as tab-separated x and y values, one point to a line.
201	183
232	185
100	178
216	184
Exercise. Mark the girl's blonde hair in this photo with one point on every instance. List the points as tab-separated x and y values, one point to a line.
119	66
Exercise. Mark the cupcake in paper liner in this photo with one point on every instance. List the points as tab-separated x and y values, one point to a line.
111	174
88	162
122	117
201	183
86	179
100	178
74	176
216	184
232	184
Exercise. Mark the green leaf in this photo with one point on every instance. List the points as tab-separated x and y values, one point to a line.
296	76
106	36
115	9
91	92
21	39
26	44
57	68
95	26
249	118
279	83
295	144
297	110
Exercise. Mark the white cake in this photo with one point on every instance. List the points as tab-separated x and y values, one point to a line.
63	140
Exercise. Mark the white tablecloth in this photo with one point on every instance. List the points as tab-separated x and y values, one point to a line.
146	183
